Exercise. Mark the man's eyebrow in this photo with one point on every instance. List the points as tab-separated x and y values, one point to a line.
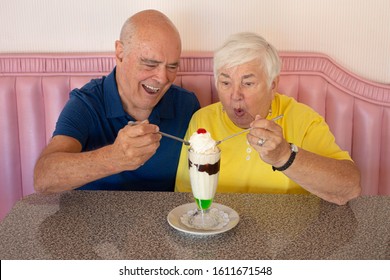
153	61
149	61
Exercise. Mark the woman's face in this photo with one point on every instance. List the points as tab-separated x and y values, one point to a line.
244	93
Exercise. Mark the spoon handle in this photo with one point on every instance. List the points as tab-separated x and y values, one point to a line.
164	134
233	135
175	138
238	133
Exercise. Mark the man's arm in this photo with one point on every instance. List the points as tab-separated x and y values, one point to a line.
62	166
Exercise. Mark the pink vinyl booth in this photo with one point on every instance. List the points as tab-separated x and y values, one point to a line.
35	87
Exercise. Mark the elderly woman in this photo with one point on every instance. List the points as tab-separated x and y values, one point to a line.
294	154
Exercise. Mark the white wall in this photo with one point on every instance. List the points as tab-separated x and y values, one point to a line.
355	33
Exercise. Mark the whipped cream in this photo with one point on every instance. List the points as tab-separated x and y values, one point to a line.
201	142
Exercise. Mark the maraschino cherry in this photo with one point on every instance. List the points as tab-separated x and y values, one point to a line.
201	131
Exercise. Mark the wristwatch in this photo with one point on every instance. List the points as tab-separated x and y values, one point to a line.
294	151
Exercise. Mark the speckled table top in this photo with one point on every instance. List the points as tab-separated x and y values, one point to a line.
133	225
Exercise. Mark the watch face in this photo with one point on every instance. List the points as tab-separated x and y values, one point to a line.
294	148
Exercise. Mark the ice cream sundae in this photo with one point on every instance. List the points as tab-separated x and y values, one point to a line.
204	162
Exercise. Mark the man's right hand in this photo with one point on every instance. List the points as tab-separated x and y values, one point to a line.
134	145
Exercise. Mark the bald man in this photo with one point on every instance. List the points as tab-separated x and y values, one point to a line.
94	147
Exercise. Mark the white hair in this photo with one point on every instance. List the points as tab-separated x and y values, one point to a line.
244	47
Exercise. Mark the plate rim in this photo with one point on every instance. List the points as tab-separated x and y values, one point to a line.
183	228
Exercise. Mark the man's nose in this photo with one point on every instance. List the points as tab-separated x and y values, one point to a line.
162	74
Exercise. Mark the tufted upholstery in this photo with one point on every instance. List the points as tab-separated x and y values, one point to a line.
34	88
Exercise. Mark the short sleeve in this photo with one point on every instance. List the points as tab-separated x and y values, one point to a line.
75	120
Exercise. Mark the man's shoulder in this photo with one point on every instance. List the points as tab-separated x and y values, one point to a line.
178	89
92	86
180	94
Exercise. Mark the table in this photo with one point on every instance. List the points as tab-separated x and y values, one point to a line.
133	225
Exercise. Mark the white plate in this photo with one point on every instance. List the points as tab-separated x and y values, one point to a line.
175	215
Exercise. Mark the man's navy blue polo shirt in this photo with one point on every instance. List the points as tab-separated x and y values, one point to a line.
94	114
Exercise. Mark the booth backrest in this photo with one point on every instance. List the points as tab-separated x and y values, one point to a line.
35	87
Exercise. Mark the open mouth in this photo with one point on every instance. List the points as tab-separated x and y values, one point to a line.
150	89
239	112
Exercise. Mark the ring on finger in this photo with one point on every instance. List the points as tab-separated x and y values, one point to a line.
261	142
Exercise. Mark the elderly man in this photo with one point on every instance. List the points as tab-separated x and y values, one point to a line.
94	146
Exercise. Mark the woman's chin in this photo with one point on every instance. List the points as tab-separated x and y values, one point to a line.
241	123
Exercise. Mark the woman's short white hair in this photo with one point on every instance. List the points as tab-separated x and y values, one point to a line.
244	47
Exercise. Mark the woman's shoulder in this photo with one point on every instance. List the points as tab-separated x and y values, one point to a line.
290	105
214	108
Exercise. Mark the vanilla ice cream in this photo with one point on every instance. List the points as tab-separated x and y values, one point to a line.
202	143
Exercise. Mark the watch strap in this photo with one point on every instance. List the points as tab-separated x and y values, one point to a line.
288	163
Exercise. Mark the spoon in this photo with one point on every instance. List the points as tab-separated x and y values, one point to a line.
187	143
175	138
241	132
165	134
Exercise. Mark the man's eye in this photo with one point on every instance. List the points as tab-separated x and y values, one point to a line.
172	68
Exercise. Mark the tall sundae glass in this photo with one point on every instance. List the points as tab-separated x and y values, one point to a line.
204	163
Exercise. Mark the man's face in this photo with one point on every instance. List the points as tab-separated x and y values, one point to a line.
146	71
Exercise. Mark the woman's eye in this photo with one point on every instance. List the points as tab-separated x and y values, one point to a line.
224	83
248	84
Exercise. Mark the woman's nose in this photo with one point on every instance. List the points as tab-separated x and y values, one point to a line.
237	93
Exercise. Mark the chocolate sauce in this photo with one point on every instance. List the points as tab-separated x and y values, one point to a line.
211	169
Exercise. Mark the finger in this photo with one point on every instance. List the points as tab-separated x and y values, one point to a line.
262	143
137	155
256	133
135	129
142	141
132	123
142	153
266	125
135	162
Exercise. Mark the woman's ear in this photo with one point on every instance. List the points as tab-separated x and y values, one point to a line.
275	84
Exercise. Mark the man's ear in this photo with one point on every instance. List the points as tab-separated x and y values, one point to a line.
119	50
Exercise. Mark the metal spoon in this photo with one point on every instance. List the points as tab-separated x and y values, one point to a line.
217	143
165	134
241	132
175	138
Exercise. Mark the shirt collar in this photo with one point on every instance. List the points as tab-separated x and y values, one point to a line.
112	100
